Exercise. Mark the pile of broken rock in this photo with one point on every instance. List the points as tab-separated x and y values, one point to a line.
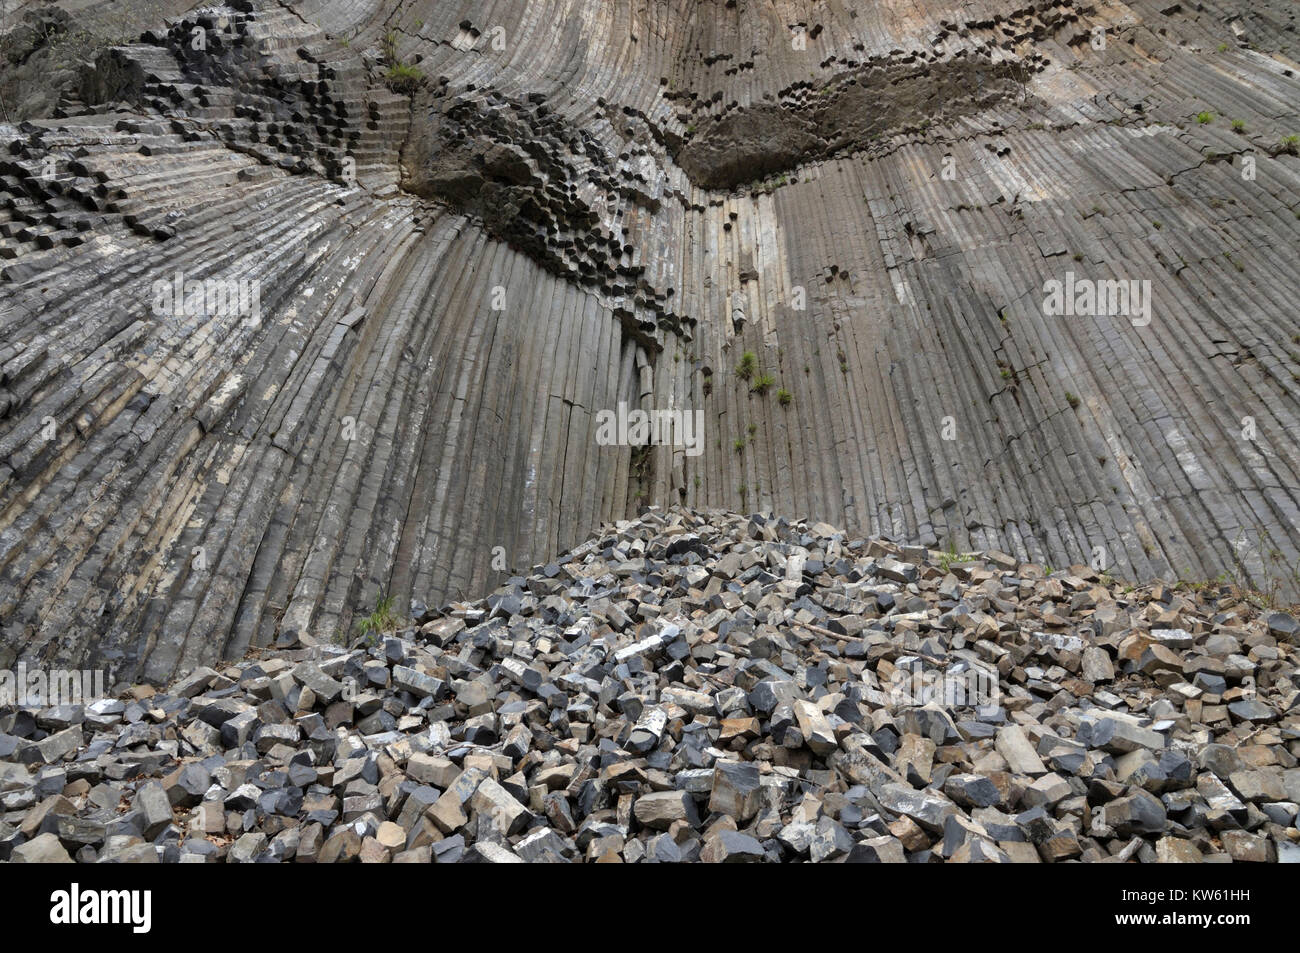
706	687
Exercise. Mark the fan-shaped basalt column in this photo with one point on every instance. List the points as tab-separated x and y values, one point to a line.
420	248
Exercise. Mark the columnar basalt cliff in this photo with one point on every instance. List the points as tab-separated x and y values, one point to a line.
306	306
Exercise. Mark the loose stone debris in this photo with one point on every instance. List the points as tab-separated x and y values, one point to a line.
705	687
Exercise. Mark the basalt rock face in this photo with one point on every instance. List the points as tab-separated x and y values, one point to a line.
458	231
853	112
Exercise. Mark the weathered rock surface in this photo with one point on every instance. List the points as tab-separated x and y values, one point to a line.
609	707
473	227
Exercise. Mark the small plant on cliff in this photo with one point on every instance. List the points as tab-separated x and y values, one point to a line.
748	364
400	77
1205	118
762	383
403	78
783	397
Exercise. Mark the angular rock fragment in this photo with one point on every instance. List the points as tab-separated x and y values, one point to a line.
735	791
662	809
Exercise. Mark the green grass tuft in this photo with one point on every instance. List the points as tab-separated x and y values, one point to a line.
748	364
383	619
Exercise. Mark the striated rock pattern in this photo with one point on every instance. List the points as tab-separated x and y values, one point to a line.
308	305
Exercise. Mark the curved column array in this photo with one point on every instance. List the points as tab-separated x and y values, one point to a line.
467	233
